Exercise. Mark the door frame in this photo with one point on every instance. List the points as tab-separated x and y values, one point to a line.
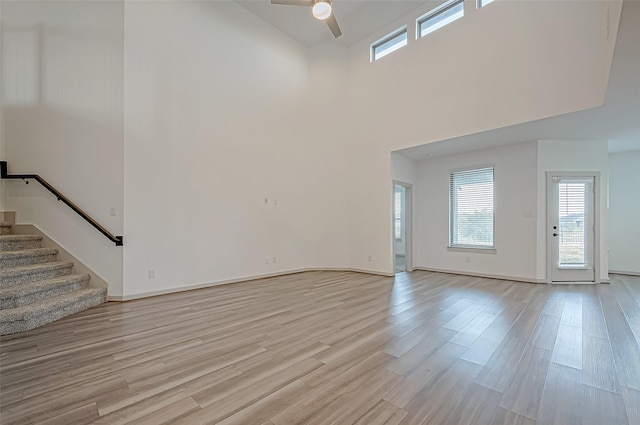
596	220
408	225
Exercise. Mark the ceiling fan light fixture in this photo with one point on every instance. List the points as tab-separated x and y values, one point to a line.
321	10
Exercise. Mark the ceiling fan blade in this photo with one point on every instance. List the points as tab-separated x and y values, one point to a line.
293	2
333	26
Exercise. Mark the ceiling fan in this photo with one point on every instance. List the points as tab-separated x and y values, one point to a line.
321	10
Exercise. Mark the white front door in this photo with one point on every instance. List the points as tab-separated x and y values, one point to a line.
571	232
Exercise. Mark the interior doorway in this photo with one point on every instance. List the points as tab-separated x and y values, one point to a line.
572	227
402	226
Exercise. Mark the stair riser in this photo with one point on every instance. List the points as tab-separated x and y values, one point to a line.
19	245
26	260
48	316
52	291
35	276
5	230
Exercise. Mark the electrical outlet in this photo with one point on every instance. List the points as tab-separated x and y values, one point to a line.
266	201
151	273
467	259
266	260
274	260
112	211
275	202
370	258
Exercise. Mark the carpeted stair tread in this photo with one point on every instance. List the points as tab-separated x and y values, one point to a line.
25	257
5	228
35	288
19	295
36	314
19	242
34	272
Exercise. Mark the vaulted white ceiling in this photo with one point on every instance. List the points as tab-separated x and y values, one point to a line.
358	19
617	121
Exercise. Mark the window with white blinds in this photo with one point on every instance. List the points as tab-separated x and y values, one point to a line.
575	216
397	214
471	205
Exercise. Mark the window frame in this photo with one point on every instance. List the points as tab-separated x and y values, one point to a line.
386	39
483	3
435	12
491	249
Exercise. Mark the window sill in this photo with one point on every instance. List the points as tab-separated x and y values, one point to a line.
477	249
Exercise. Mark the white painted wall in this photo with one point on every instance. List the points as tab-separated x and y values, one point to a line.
62	87
462	79
220	112
572	155
404	169
468	77
515	209
624	210
219	116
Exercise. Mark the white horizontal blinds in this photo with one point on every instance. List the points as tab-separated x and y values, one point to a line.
398	214
575	221
471	195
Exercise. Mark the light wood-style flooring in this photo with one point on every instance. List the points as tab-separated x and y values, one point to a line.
338	348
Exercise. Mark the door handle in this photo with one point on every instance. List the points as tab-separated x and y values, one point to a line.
555	234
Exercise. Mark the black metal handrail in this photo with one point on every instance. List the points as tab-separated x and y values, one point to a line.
4	174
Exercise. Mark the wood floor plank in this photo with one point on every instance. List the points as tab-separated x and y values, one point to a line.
52	404
221	404
593	323
546	331
320	348
502	366
82	414
483	348
383	413
626	351
444	396
270	405
567	350
168	414
353	405
602	407
478	406
626	294
327	397
631	399
470	333
413	358
425	375
524	393
506	417
598	365
562	397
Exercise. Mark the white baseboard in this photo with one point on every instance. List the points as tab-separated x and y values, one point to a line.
238	280
487	275
627	273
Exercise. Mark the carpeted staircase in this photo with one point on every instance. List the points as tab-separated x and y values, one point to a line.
35	288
